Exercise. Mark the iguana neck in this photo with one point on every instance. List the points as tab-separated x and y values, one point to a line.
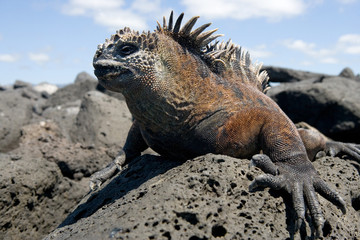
178	84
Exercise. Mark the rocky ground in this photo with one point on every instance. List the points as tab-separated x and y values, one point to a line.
52	140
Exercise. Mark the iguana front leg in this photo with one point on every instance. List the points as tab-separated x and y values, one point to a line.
302	182
315	141
133	147
287	167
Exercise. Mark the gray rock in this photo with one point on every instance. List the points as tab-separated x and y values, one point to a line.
43	179
84	77
21	84
4	88
22	196
46	87
75	161
102	121
37	100
64	115
72	92
34	195
15	111
278	74
203	198
332	105
116	95
347	73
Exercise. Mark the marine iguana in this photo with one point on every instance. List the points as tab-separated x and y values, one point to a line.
191	95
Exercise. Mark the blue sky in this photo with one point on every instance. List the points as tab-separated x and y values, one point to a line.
52	41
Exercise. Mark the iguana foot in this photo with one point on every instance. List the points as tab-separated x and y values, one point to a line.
302	182
106	173
334	148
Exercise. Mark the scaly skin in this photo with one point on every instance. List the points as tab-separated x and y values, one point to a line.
189	98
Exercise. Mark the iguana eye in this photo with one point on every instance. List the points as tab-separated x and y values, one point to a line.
127	49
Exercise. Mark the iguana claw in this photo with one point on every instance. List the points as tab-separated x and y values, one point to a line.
302	182
106	173
264	163
334	148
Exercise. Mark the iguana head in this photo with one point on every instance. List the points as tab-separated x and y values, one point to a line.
125	58
131	60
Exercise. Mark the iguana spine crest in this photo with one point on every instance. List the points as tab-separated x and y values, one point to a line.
220	57
224	58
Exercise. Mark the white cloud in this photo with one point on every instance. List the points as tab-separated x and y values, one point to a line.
347	1
310	49
306	63
259	52
346	44
82	7
330	60
9	58
115	14
323	55
350	38
300	45
350	43
39	58
115	19
146	6
245	9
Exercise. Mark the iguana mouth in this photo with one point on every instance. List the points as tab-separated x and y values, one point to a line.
109	72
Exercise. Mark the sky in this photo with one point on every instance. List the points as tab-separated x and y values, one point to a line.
53	41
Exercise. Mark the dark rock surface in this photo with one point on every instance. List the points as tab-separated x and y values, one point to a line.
24	204
64	115
43	179
21	84
17	108
46	88
101	121
43	174
347	73
203	198
331	105
34	195
72	92
117	95
279	74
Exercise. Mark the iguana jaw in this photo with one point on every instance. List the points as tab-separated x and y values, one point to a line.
112	75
